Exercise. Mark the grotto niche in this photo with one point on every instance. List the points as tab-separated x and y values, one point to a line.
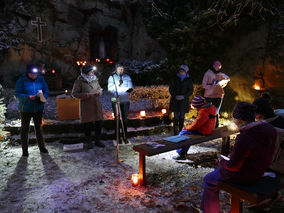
103	43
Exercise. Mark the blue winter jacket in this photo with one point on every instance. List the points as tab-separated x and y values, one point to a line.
121	89
26	87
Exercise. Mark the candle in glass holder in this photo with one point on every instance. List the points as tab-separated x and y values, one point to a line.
142	113
135	179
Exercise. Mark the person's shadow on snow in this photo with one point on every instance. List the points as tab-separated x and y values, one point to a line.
51	169
14	193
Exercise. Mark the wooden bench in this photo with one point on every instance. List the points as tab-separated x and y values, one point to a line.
255	193
147	150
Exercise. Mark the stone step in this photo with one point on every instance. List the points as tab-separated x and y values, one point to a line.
66	127
72	138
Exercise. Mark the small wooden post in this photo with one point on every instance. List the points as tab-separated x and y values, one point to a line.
142	172
236	204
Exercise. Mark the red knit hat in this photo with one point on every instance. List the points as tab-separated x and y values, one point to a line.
198	101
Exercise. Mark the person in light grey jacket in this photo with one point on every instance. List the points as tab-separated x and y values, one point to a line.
120	84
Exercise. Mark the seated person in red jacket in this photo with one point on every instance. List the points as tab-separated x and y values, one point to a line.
202	125
250	157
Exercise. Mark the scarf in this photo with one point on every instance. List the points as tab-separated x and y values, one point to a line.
89	78
182	77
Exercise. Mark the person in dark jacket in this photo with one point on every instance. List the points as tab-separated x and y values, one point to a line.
265	111
181	88
31	91
202	125
87	89
250	157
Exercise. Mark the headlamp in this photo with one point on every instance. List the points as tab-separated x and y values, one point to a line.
34	70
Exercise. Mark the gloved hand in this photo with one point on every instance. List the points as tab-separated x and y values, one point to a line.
179	97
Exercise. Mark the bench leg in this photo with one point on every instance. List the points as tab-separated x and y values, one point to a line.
236	204
225	150
142	171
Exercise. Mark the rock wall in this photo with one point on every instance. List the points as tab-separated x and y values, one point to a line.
250	59
74	30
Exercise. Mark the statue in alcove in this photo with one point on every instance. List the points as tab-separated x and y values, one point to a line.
103	43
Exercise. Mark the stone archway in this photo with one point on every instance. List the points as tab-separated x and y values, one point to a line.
103	42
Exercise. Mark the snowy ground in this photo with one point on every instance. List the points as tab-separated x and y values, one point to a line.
86	181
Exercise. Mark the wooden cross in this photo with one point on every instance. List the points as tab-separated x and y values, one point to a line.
39	25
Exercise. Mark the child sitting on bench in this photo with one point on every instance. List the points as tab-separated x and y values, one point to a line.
202	125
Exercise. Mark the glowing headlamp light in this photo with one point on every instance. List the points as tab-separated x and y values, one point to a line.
34	70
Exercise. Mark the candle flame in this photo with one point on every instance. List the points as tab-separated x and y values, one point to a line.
135	179
164	111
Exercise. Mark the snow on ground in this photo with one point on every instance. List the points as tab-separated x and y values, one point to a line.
86	181
92	181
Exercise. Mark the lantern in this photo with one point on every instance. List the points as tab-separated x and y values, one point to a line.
135	179
258	84
142	114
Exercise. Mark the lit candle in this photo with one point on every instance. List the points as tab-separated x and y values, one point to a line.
53	71
66	91
112	115
135	179
142	113
164	111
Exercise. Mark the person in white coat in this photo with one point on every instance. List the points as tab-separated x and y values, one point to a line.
120	84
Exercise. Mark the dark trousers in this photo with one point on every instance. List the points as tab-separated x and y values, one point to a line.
124	114
25	127
210	196
217	102
178	122
97	126
183	151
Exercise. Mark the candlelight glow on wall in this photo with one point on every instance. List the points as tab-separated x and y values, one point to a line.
135	179
143	114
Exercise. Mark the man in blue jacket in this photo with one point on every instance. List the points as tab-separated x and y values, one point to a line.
122	84
31	91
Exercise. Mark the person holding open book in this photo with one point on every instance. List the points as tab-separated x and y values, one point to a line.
214	82
250	157
31	91
88	90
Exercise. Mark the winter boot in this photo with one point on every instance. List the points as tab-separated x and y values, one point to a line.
181	123
43	150
175	126
25	152
98	142
88	142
